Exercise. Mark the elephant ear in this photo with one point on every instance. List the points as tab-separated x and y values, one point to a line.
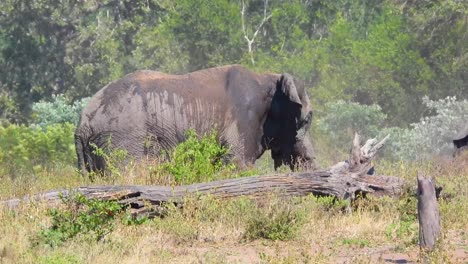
288	88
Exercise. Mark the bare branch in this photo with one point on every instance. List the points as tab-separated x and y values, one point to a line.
360	158
242	19
251	40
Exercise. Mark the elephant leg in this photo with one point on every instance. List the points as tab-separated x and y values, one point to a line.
277	163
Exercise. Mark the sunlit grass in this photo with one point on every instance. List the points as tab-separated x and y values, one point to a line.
208	230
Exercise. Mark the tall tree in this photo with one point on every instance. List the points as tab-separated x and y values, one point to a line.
441	30
207	30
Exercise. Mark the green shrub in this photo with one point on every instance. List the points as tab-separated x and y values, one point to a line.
196	160
58	111
59	258
342	119
114	159
80	216
355	241
433	134
406	227
331	204
27	148
279	221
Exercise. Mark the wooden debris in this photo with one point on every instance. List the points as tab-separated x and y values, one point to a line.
343	180
428	213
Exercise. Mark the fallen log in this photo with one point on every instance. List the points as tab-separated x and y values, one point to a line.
343	180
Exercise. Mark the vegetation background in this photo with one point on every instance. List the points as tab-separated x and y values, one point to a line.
389	53
376	67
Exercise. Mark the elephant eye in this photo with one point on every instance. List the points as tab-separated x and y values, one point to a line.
299	123
304	122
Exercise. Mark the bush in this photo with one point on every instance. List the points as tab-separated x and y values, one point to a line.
58	111
47	142
331	204
279	221
26	148
196	160
406	226
436	132
342	119
433	134
114	159
59	258
80	216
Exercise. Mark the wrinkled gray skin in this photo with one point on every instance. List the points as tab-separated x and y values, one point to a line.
147	111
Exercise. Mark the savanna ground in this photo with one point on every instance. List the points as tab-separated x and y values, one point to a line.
374	67
273	230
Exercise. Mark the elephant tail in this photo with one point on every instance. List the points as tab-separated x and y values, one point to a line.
83	154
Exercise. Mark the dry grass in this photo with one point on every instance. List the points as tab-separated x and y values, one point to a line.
213	231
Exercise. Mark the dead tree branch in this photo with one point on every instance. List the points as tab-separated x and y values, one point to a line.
343	181
251	40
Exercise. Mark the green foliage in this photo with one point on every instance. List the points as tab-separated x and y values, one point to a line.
80	216
196	160
113	158
439	28
341	120
129	219
279	221
380	67
157	48
28	148
331	204
59	258
434	133
431	136
355	241
406	227
374	52
58	111
208	30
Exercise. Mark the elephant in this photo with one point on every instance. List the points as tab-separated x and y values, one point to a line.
461	141
148	112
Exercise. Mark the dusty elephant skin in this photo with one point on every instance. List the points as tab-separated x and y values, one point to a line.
148	111
461	141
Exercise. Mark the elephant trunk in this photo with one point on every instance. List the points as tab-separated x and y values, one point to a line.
304	154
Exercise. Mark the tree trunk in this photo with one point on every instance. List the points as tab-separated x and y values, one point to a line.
428	213
343	180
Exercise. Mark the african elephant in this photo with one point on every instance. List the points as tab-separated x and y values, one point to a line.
461	141
148	111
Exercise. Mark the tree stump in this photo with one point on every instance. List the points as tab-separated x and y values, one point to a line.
428	214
